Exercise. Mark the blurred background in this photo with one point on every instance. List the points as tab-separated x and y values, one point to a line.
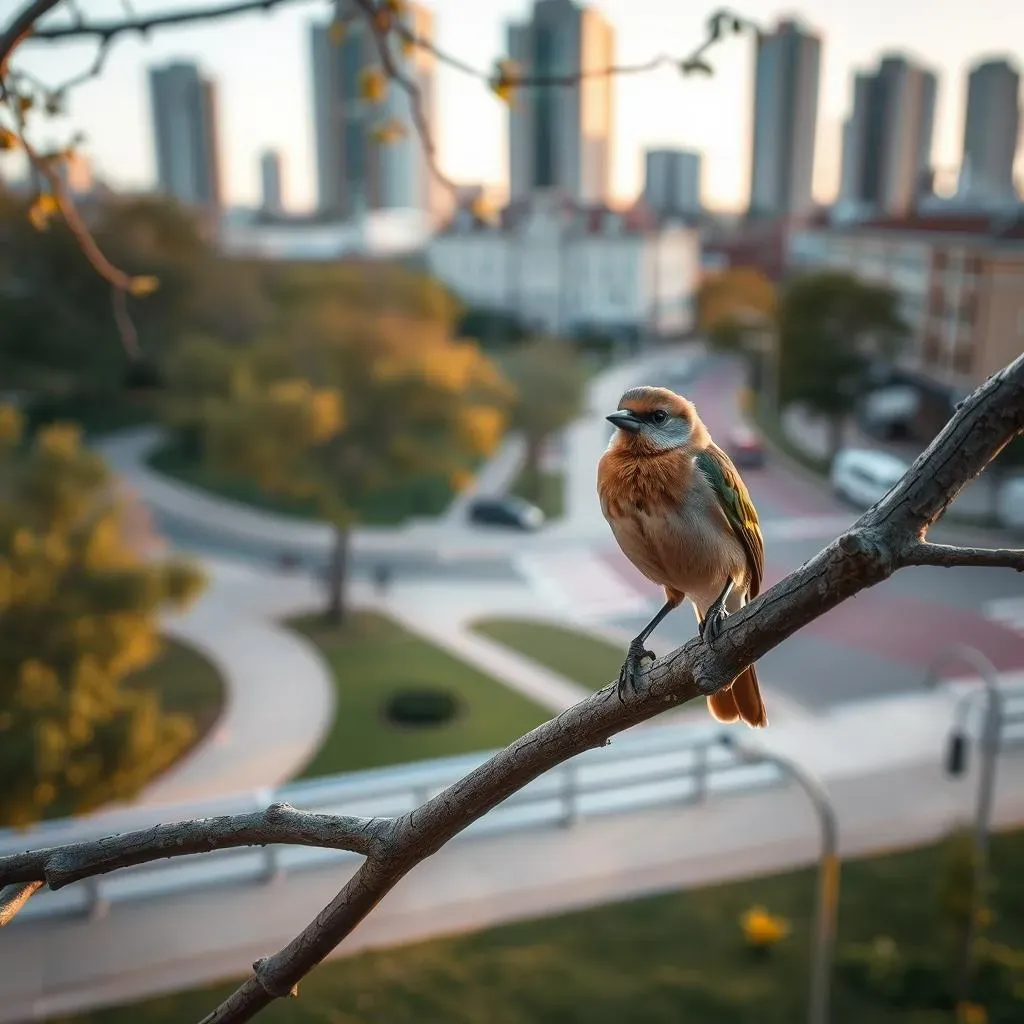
310	318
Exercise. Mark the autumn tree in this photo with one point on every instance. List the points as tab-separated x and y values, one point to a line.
341	408
78	614
832	327
731	300
550	385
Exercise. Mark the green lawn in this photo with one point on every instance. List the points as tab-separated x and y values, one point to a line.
577	656
545	490
658	960
372	658
418	496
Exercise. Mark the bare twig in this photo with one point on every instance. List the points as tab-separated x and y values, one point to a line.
18	29
279	823
14	897
948	555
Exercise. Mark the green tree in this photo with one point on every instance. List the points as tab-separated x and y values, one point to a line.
343	407
832	326
550	387
78	609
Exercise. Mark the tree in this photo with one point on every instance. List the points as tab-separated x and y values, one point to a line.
888	537
730	299
78	613
341	407
832	327
550	385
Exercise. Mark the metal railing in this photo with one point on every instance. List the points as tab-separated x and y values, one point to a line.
655	766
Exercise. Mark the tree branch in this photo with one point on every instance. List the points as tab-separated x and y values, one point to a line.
14	897
19	28
280	823
950	555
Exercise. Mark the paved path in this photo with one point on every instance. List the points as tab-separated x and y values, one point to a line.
280	694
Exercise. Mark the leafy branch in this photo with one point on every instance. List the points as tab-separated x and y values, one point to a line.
889	536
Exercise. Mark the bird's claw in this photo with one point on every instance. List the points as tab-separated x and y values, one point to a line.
711	625
637	659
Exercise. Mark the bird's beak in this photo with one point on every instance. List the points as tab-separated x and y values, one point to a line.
625	420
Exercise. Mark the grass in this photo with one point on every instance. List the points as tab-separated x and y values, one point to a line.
418	496
658	960
372	658
577	656
545	489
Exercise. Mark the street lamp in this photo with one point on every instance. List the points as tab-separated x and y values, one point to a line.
956	764
823	942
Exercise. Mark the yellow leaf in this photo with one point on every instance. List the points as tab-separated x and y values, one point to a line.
388	131
42	209
25	103
395	6
143	286
506	76
373	85
337	32
8	140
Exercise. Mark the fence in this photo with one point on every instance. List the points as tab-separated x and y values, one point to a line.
658	765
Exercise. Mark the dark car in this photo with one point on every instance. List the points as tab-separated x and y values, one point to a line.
745	448
506	511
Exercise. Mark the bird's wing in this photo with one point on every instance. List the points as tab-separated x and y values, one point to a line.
734	499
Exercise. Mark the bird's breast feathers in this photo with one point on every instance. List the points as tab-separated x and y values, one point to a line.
668	521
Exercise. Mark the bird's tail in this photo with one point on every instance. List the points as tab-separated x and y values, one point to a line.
740	701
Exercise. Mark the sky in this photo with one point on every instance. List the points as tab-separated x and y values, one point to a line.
261	64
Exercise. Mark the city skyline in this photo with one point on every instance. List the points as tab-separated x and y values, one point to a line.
714	116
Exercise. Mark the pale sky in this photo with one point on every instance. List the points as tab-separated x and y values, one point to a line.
261	63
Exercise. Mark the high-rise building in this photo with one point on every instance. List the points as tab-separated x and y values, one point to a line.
185	132
356	169
271	187
672	181
561	136
887	139
991	131
785	121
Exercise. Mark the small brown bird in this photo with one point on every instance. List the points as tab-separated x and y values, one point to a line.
684	518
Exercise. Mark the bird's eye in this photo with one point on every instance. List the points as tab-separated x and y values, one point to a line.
659	416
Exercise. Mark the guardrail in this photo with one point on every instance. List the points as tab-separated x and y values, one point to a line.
658	765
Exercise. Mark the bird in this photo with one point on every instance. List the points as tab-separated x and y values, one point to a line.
682	515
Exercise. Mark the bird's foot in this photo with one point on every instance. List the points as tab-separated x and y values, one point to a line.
711	625
638	658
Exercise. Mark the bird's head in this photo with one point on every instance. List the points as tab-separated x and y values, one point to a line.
654	420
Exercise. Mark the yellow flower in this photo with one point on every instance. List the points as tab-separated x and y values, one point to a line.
42	209
971	1013
388	131
143	286
373	85
761	929
505	78
337	31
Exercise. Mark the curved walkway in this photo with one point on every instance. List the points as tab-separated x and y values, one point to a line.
280	695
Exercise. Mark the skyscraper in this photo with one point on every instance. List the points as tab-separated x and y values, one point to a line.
561	136
991	130
887	139
672	181
356	171
185	133
785	121
270	182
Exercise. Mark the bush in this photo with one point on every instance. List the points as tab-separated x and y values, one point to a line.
421	707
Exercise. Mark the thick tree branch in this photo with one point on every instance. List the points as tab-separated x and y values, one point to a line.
14	897
280	823
950	555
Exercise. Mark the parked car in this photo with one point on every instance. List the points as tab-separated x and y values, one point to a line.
863	476
506	511
745	448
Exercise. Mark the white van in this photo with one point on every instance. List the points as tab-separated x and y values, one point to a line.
864	476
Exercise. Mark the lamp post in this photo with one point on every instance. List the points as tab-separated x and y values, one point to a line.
956	763
826	912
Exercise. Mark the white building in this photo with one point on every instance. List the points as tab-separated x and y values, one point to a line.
562	267
991	132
